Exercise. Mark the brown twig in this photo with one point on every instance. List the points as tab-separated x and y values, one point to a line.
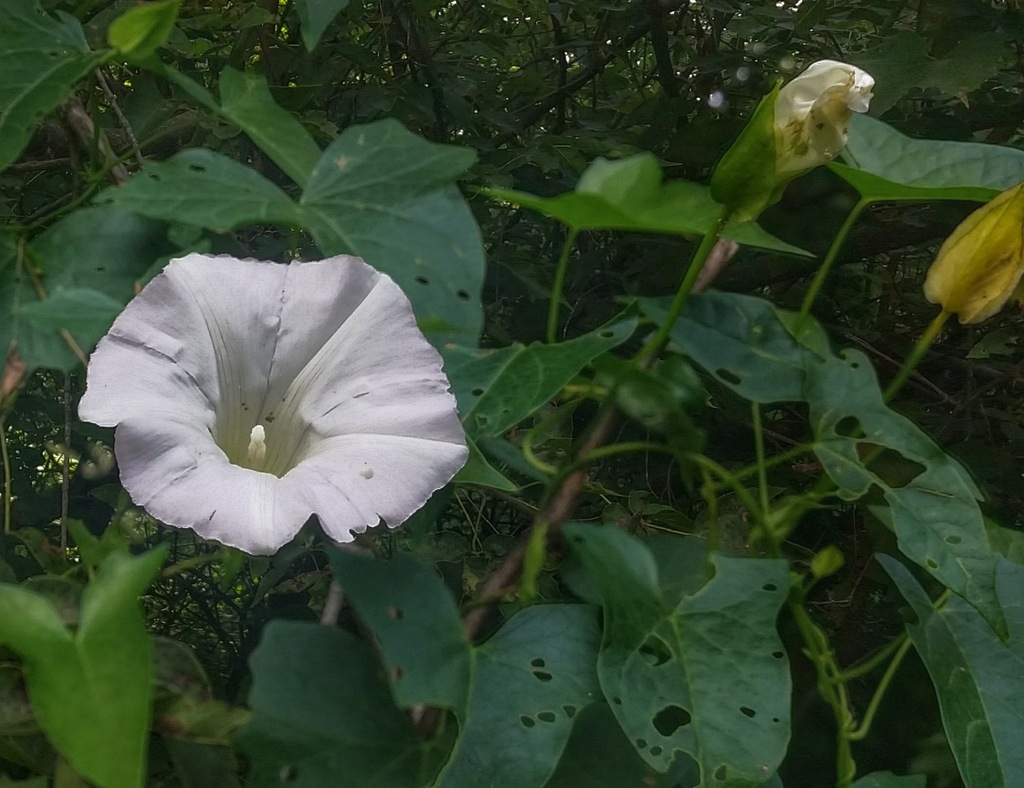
126	127
554	513
89	138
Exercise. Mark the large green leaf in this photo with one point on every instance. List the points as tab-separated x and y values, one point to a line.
979	678
383	193
497	388
205	189
246	102
629	195
40	61
88	264
414	617
379	192
745	343
515	696
706	675
90	688
530	680
322	715
883	164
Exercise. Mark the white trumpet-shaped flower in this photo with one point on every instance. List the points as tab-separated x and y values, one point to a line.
812	113
249	395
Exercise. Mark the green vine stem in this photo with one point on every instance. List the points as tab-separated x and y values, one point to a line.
660	338
924	342
826	266
6	459
559	285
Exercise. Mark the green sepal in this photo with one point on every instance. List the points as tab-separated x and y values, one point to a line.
745	180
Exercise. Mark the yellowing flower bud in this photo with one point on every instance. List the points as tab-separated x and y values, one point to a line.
980	265
794	128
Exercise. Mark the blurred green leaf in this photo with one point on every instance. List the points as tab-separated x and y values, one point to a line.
322	715
315	16
707	675
246	101
142	30
497	388
90	688
885	165
745	344
41	59
890	780
628	194
979	678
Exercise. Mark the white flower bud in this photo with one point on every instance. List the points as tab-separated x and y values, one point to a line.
812	113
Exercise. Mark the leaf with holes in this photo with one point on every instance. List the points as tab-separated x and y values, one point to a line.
861	443
747	344
883	164
598	755
903	60
979	678
41	59
706	676
322	715
530	680
497	388
90	688
515	696
628	194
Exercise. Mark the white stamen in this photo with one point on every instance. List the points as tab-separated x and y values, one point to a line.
257	445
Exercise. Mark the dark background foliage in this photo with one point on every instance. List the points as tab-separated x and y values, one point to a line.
539	89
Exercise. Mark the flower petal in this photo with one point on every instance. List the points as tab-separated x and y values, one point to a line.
980	265
355	481
182	478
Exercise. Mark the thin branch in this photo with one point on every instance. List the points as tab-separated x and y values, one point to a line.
126	127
